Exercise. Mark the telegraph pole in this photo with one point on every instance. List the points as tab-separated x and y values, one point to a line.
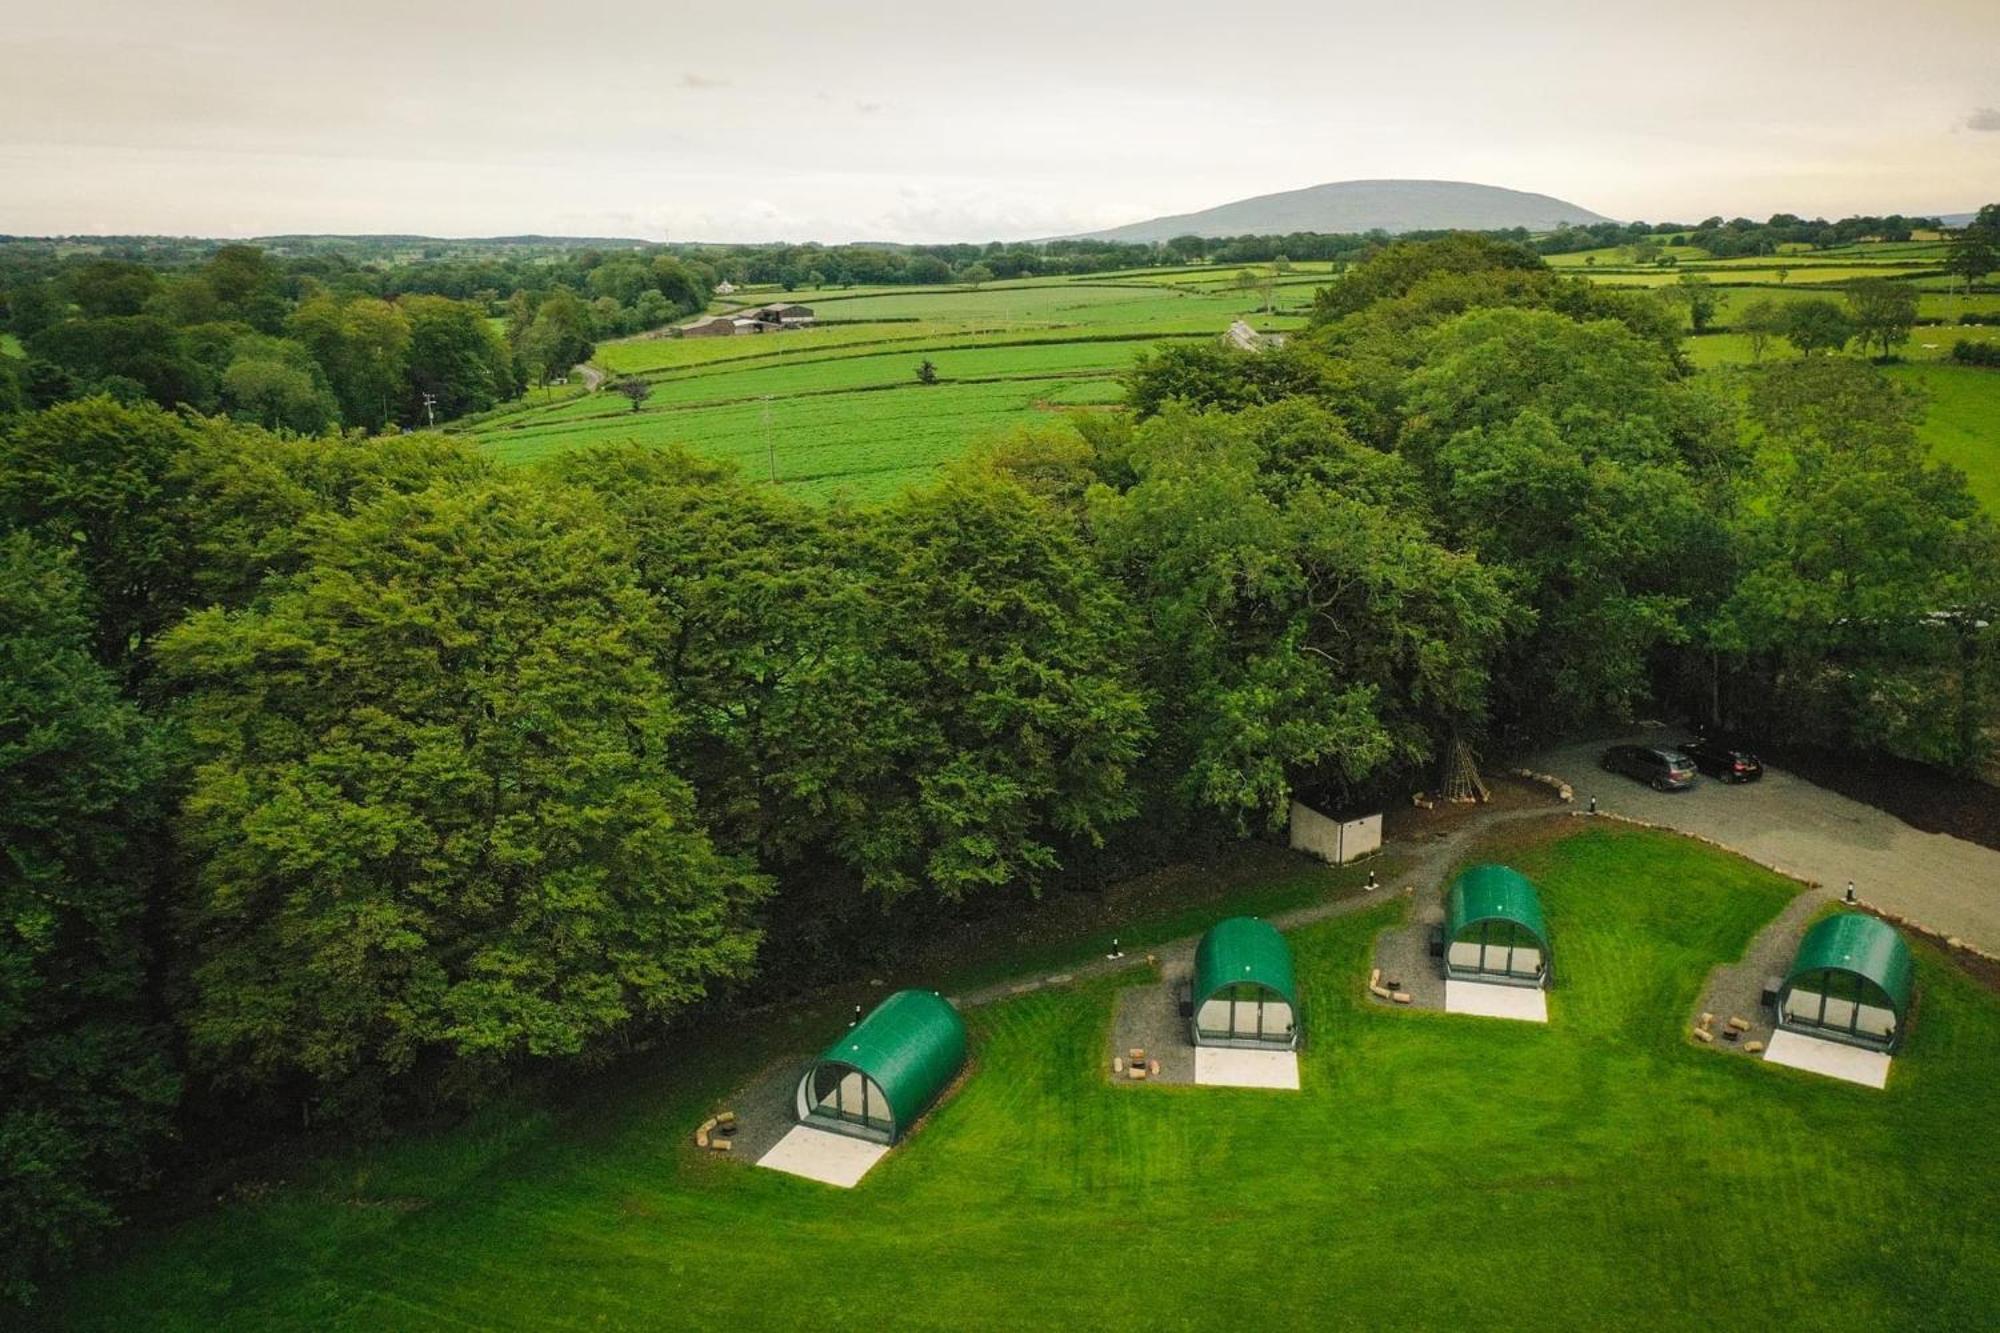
430	409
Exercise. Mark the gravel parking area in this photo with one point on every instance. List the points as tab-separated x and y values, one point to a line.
1947	884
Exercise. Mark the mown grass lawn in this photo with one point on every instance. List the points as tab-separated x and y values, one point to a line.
1434	1172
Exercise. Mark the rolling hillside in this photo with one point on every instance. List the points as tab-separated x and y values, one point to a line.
1353	206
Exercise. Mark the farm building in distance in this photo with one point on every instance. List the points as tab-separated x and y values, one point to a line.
1244	994
885	1071
783	314
763	319
714	326
1849	982
1494	931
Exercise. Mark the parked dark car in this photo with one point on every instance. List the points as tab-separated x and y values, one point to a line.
1662	768
1718	758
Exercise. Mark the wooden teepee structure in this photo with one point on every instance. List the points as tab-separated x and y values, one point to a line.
1462	783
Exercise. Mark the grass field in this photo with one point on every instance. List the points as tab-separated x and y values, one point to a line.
1434	1172
836	409
1962	425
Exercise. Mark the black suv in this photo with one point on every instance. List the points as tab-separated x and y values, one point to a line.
1718	758
1662	768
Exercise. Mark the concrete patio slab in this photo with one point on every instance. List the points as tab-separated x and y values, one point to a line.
1530	1004
833	1159
1831	1058
1225	1067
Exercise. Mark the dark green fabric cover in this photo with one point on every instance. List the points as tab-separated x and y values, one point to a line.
1494	893
912	1045
1243	949
1860	944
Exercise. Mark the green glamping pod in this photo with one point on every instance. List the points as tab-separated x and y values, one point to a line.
1850	982
886	1070
1243	993
1494	931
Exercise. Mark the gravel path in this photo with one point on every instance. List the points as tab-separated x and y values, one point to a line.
1422	862
1149	1018
1945	884
1736	990
1404	954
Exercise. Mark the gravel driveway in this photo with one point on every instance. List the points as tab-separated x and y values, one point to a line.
1946	884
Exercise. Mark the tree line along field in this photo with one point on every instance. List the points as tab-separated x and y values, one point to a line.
837	409
1435	1170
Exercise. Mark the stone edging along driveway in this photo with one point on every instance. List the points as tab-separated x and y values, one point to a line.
1964	890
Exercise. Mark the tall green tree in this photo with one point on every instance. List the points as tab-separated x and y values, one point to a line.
1573	458
248	501
86	1088
437	817
1883	312
141	351
99	480
456	358
248	286
276	383
1304	633
111	287
1817	325
1697	295
557	338
765	623
1760	321
1866	612
363	346
1974	250
1006	716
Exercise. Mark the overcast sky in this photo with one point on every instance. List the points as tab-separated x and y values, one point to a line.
936	121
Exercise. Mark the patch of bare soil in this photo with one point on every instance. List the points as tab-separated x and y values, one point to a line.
1403	822
1921	796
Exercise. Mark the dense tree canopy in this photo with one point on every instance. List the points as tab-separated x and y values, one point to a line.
436	807
345	776
1307	631
86	1088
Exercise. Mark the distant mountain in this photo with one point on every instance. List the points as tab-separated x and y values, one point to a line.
1353	206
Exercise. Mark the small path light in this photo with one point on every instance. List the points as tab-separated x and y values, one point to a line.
1371	881
1116	952
1593	805
857	1017
1850	890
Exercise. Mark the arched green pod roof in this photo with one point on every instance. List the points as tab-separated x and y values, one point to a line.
1862	946
1243	948
1494	893
912	1045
